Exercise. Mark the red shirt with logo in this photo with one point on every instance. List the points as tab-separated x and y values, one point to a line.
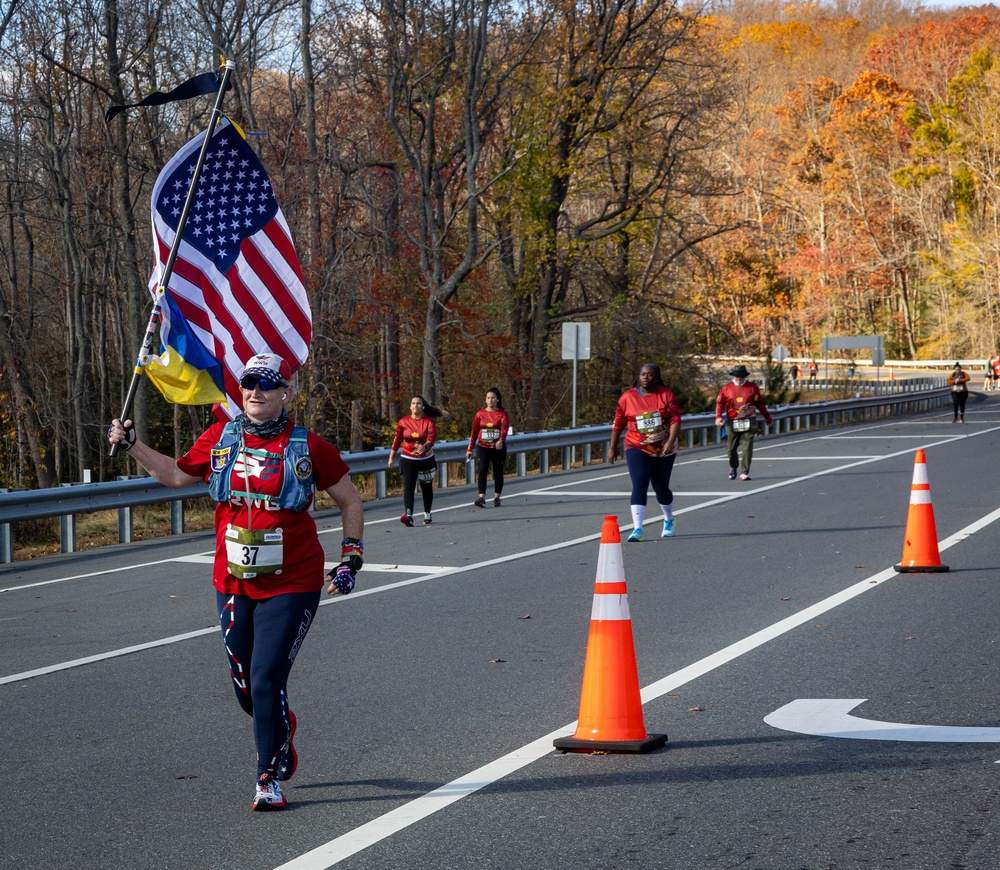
302	554
644	415
489	428
411	431
732	397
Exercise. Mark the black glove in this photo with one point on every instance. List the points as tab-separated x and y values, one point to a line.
129	435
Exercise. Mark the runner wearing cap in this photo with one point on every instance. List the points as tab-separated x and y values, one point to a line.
737	407
269	562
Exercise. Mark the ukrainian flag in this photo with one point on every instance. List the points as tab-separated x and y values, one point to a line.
184	371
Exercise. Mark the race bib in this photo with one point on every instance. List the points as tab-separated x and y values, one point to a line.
956	388
648	423
253	552
742	425
489	434
427	475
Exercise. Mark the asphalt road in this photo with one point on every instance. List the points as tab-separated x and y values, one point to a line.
428	700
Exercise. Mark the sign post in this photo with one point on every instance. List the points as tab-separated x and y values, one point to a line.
575	346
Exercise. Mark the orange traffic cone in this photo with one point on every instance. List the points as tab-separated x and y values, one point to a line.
610	704
920	548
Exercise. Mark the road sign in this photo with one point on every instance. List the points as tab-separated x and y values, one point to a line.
576	340
780	353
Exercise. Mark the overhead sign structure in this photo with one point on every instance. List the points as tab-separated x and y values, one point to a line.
874	343
780	353
852	342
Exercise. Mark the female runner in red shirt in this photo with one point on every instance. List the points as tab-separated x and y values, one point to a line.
489	442
650	414
416	434
269	561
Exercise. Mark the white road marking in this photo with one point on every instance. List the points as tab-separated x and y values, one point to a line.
342	847
875	437
830	717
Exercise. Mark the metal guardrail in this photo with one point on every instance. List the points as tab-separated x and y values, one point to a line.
698	430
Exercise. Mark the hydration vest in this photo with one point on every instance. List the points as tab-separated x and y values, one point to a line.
297	468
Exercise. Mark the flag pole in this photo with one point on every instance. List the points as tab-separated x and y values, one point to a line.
168	268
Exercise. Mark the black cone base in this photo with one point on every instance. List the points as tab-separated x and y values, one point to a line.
575	744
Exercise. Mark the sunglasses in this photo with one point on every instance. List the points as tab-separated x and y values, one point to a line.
266	384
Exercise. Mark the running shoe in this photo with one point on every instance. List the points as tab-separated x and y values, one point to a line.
636	536
480	502
496	501
269	796
427	519
406	519
288	758
744	477
668	529
732	474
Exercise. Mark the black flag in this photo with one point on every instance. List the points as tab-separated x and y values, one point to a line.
206	83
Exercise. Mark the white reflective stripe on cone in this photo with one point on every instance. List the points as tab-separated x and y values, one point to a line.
610	568
610	608
920	496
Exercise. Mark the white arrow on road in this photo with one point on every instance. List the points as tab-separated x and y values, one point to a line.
831	717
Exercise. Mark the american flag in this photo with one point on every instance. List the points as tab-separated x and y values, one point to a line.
236	281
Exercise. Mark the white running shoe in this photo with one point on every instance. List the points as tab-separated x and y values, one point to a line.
269	796
668	529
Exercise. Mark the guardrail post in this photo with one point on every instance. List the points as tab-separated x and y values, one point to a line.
381	488
543	461
586	453
442	475
470	471
522	464
126	527
566	462
67	533
177	517
6	536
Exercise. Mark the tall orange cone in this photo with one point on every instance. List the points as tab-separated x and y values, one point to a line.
920	548
610	704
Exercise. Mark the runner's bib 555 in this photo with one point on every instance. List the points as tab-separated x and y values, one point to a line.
649	423
252	552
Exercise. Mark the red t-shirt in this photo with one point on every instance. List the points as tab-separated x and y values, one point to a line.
644	415
302	553
411	431
732	397
489	428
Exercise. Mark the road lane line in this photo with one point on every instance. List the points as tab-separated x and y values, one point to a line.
378	829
